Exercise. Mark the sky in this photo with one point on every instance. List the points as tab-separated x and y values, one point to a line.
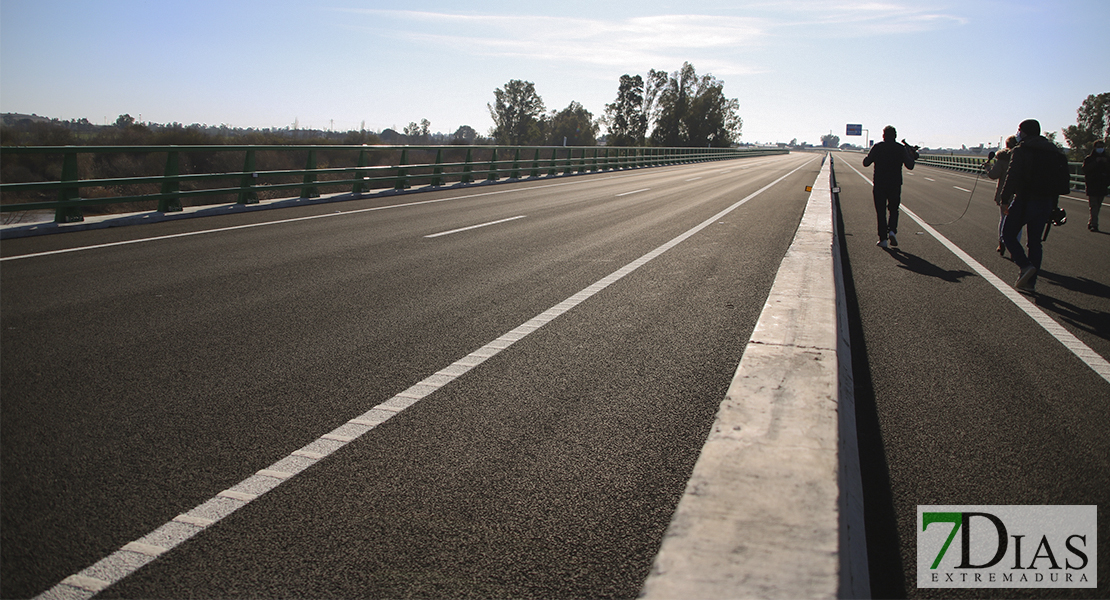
945	73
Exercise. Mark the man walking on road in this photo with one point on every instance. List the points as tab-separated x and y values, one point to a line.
1096	174
1032	182
889	156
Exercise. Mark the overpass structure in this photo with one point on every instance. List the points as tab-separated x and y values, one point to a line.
696	380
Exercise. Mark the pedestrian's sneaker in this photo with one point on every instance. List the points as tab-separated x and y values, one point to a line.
893	240
881	243
1025	280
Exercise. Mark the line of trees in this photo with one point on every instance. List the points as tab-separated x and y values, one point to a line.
33	130
662	109
681	108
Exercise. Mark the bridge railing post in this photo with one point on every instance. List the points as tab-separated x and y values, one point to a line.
359	187
309	189
69	214
437	170
493	175
515	173
247	193
402	172
467	167
171	186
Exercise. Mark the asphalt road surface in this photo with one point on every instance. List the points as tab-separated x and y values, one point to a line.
156	366
147	369
964	398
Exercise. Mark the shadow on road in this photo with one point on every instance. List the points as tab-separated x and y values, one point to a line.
880	521
1092	321
921	266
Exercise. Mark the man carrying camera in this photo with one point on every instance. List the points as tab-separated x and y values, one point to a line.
1034	182
889	156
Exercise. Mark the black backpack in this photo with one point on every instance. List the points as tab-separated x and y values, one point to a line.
1051	173
1048	173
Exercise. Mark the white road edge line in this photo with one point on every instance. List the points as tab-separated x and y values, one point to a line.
123	562
442	233
1082	351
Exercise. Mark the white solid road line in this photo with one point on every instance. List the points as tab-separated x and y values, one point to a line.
1082	351
126	560
435	235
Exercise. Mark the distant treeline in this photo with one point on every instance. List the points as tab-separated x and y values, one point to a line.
33	130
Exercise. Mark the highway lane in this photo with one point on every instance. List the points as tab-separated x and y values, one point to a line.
142	379
962	397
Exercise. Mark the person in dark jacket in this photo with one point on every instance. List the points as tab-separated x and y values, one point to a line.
888	156
1034	195
1096	175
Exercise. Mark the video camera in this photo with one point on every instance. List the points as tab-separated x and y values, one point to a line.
912	149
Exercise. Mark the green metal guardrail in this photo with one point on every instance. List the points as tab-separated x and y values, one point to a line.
356	171
974	164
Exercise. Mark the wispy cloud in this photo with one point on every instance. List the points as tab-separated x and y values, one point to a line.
719	44
634	42
867	19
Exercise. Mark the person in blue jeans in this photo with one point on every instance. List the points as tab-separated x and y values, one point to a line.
1028	182
889	157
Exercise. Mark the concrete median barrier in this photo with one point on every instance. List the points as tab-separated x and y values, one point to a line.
774	506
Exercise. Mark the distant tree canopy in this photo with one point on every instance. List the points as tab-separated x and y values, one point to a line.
464	135
626	118
830	141
516	113
679	109
572	126
1092	124
419	133
693	111
18	130
683	109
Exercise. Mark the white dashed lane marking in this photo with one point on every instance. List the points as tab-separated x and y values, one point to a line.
134	555
434	235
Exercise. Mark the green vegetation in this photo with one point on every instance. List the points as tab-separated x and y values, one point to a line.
682	109
1092	124
685	109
